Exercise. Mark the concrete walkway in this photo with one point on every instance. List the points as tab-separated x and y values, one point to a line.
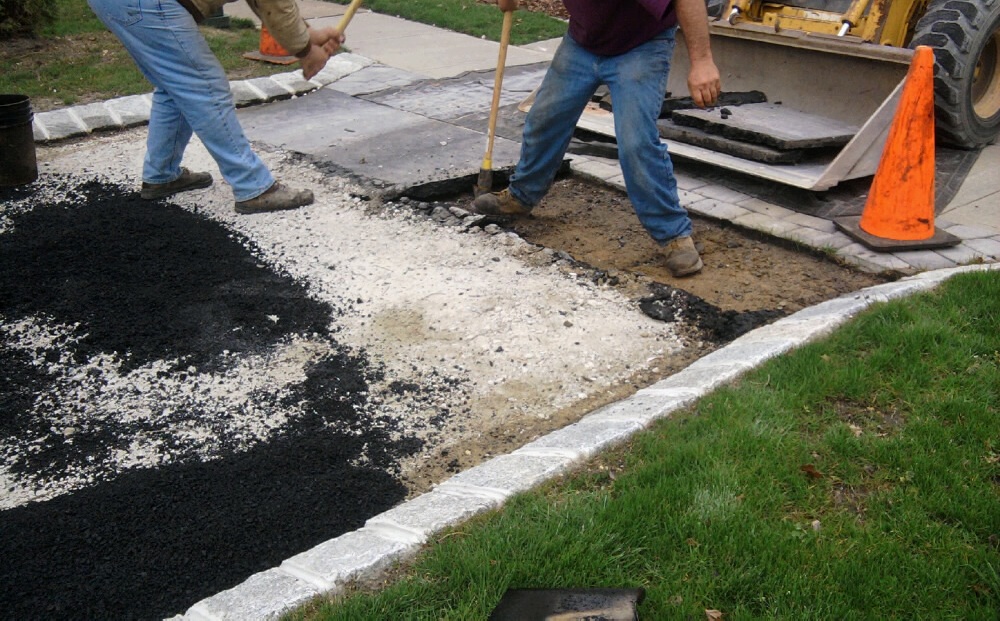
402	78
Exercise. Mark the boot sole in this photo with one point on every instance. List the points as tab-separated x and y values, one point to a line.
498	213
247	212
242	209
156	195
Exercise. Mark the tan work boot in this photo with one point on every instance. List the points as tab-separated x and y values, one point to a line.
187	181
277	198
682	257
500	203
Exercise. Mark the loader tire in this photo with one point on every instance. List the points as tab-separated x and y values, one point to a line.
965	36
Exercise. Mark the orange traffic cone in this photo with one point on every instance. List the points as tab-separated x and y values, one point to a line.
270	50
899	212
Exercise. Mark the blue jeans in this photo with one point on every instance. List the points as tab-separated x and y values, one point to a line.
637	80
191	94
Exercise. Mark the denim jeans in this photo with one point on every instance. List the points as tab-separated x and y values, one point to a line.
637	80
191	94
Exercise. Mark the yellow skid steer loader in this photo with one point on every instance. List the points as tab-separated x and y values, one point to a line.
814	84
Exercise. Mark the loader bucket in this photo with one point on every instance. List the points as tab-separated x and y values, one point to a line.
812	83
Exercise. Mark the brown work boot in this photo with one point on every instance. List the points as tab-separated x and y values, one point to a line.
500	203
682	257
187	181
277	198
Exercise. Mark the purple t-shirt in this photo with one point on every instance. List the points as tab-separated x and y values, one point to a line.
612	27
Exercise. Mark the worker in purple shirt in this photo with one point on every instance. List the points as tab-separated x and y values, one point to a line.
627	45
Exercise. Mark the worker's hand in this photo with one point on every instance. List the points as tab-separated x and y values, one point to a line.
507	5
704	83
328	38
323	43
314	61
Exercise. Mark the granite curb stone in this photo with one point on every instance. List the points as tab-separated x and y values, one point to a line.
357	555
431	513
506	475
584	439
246	94
133	110
98	115
266	595
646	406
61	124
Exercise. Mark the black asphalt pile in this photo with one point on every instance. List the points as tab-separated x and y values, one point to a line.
712	323
133	486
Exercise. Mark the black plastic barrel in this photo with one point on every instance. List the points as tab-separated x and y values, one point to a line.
17	141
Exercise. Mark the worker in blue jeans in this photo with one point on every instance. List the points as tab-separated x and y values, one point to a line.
627	45
191	94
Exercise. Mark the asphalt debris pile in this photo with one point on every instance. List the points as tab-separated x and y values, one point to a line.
175	413
718	326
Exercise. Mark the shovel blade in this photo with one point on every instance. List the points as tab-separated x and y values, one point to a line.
484	184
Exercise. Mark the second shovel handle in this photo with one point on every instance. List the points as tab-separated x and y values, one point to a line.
508	20
352	8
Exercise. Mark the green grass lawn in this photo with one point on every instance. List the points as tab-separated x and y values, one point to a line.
76	60
854	478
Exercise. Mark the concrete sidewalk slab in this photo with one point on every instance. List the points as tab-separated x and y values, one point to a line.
427	50
467	94
977	202
378	144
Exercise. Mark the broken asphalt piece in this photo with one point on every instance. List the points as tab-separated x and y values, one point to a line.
736	98
719	326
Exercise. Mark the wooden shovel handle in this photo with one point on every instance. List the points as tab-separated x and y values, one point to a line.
508	19
352	8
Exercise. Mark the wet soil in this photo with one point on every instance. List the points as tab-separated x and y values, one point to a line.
743	271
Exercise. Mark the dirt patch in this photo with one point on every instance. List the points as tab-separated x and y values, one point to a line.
743	271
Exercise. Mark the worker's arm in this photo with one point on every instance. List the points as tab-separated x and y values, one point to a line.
703	77
312	46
